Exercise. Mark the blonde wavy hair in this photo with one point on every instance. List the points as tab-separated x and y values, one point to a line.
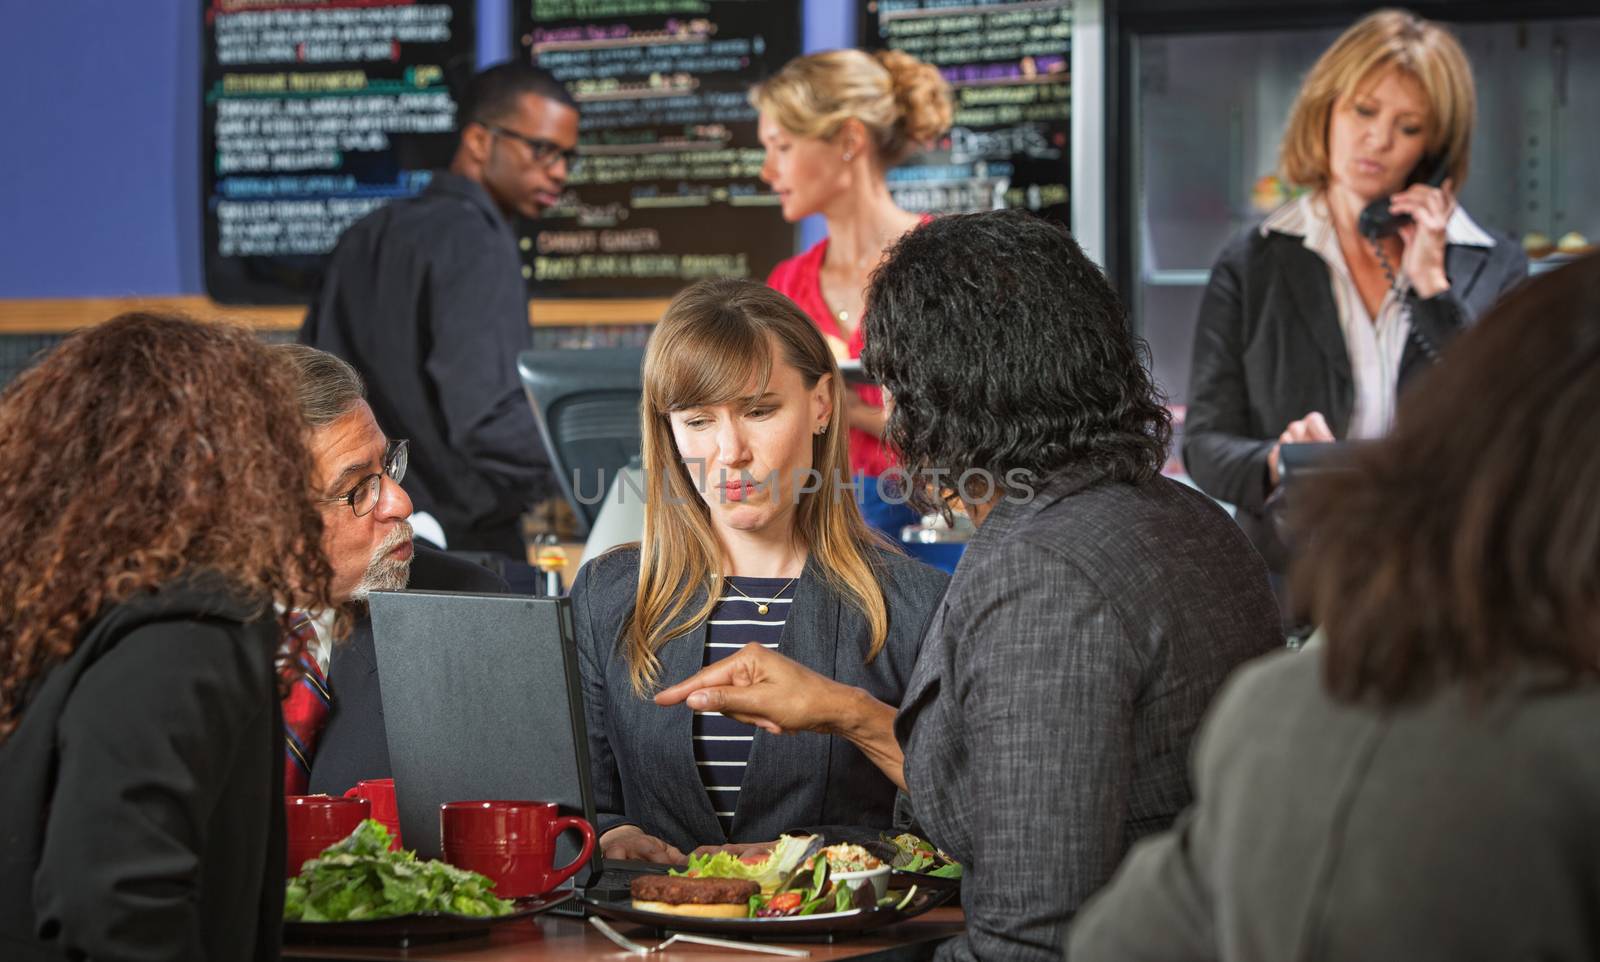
1378	42
904	103
715	337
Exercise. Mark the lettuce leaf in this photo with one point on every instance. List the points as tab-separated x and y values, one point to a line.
767	873
360	878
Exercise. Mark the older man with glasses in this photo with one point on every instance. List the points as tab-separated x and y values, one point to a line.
426	298
333	717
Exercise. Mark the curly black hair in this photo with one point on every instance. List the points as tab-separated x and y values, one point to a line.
1006	351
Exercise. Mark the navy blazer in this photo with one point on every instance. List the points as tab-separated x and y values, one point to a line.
1268	350
642	755
354	744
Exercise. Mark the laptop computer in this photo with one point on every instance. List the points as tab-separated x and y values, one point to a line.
482	700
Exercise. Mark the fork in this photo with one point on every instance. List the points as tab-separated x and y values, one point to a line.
638	949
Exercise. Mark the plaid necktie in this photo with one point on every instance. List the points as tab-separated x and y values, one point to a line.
305	709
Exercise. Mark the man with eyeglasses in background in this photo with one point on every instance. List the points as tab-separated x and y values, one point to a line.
426	298
333	717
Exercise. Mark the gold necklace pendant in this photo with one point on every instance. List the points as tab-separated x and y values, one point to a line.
761	606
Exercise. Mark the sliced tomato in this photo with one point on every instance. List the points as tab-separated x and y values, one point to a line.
786	901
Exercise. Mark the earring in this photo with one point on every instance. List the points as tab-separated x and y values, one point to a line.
822	429
849	156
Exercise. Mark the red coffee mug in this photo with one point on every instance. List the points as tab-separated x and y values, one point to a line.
380	792
313	822
513	843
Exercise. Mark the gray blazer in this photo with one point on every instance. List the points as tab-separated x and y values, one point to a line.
1326	831
642	755
1048	723
1268	349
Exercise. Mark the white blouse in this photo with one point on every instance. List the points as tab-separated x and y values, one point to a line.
1376	345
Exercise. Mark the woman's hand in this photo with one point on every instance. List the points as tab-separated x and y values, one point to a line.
631	842
1311	429
1424	238
760	687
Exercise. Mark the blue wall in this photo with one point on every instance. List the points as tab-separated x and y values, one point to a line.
100	156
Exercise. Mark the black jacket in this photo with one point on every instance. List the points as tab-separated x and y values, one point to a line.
354	743
141	797
425	298
1268	350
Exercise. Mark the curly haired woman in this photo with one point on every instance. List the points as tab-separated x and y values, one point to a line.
154	491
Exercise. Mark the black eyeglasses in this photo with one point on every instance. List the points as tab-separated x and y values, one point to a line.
545	152
364	496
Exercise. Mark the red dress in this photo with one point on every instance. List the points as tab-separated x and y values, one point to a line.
800	278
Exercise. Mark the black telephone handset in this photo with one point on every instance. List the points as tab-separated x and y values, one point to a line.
1376	221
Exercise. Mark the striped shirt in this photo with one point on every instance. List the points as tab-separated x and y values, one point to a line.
722	745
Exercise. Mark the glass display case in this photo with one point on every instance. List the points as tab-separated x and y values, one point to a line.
1205	111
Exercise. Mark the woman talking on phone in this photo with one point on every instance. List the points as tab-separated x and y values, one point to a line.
1310	324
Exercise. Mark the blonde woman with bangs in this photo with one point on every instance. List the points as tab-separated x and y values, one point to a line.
1309	328
752	536
833	125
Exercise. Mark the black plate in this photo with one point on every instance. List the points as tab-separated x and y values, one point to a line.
853	922
427	926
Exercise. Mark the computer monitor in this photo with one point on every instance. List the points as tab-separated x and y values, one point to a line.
482	700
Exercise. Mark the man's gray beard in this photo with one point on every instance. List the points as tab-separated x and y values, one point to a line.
384	573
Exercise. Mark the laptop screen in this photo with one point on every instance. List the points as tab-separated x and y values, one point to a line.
481	700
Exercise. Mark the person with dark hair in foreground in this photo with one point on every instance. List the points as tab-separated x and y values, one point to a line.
155	494
425	297
1421	783
1093	615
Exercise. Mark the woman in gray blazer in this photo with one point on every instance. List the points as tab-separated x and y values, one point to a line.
752	537
1309	327
1420	784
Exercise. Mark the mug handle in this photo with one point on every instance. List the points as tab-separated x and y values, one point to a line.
355	792
560	825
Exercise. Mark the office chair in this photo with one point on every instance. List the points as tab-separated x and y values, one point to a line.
587	404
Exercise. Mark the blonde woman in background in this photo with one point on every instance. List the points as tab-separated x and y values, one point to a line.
833	124
749	538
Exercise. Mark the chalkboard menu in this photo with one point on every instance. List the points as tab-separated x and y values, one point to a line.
1008	64
669	188
315	113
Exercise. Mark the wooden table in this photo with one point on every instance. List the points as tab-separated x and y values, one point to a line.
550	938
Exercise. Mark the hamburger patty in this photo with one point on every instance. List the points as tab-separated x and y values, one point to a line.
692	891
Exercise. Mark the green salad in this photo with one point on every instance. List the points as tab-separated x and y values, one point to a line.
359	878
914	854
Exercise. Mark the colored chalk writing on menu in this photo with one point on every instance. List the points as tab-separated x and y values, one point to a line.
1008	64
314	114
668	189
